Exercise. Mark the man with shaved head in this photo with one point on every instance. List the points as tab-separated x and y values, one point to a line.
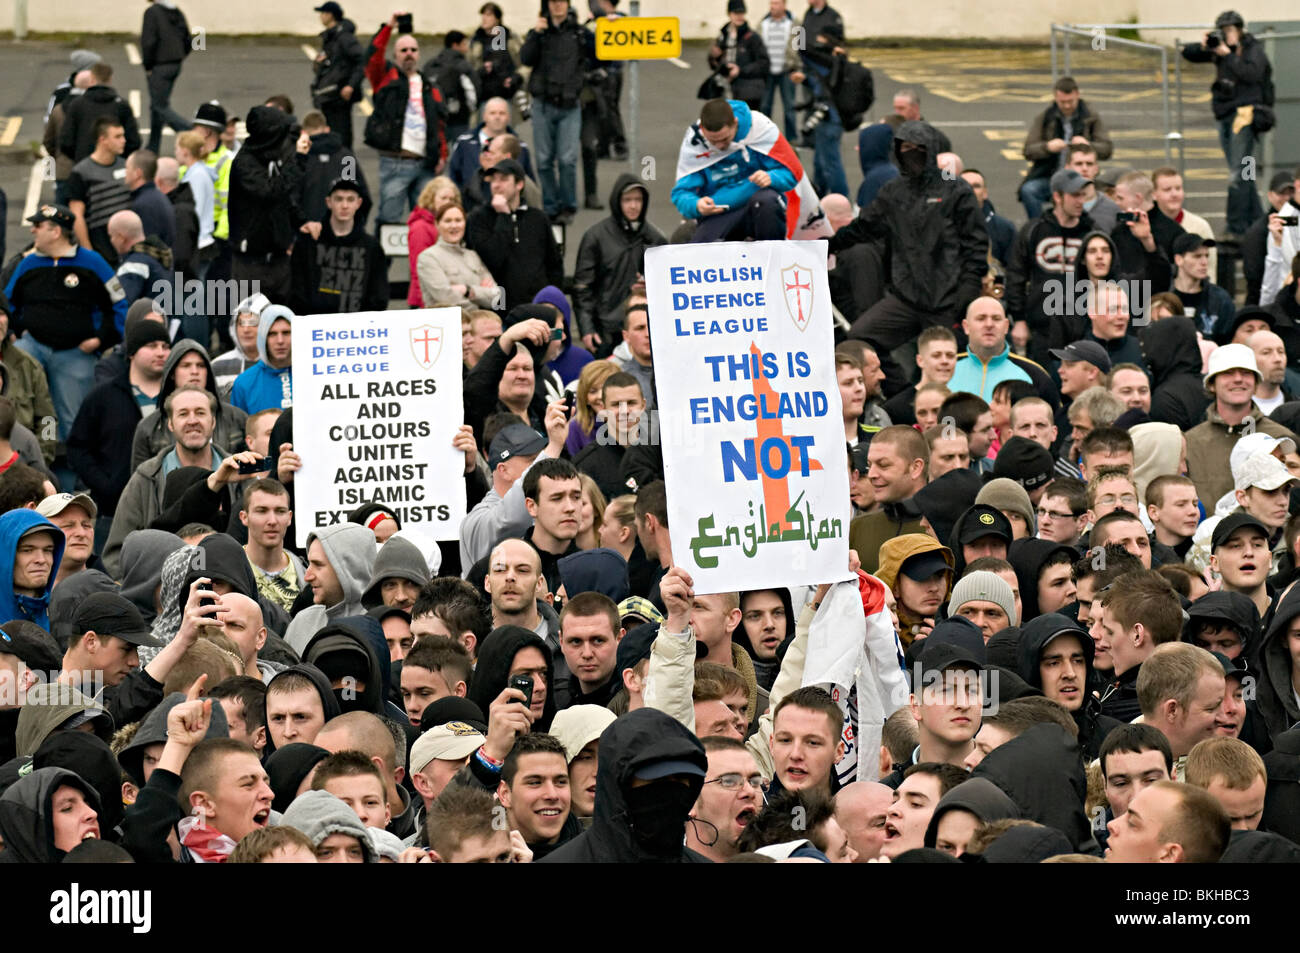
247	629
513	581
366	732
861	809
184	210
1270	358
140	268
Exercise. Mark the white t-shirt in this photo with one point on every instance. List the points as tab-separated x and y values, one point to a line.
415	128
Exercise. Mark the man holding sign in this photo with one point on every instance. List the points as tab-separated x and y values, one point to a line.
749	404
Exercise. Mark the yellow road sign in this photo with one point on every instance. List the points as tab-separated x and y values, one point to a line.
638	38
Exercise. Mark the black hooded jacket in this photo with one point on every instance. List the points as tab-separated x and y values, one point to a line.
345	648
610	256
328	160
1244	78
933	228
164	36
1174	359
1136	263
980	797
1041	771
1028	557
1034	637
224	559
1282	796
1275	692
27	815
80	113
286	769
99	444
329	703
93	761
635	740
496	656
989	518
265	181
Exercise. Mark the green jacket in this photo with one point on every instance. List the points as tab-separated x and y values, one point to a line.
30	393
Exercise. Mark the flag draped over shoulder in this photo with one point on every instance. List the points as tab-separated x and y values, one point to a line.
853	652
804	218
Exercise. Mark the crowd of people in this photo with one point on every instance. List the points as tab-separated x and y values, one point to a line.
1072	455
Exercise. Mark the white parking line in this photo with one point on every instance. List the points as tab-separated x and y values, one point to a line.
11	130
308	50
133	54
133	97
679	62
34	179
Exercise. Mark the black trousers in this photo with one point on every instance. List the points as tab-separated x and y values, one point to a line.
891	323
339	117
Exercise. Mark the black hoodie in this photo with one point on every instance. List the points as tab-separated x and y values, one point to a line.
287	768
1275	692
988	517
80	113
1282	796
492	671
265	179
980	797
329	703
93	761
1040	770
329	159
610	256
338	274
1034	637
1028	557
765	670
27	816
636	740
1043	252
933	228
1174	358
346	647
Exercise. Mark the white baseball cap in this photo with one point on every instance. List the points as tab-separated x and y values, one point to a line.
1252	443
56	503
447	742
1263	470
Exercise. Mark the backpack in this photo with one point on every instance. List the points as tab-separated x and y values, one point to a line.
853	91
447	77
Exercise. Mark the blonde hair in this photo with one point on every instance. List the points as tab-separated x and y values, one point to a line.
592	377
433	187
598	504
193	142
1231	759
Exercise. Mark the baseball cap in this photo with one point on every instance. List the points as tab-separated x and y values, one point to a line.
670	766
1026	461
343	182
446	742
1282	182
506	167
514	441
946	655
1227	608
635	646
1249	313
1187	242
1230	357
1262	470
1252	443
107	613
926	565
1088	351
984	520
1069	181
453	708
579	725
638	609
36	647
1230	524
60	215
330	7
1232	667
56	503
211	114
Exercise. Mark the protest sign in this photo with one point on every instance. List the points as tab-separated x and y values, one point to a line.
750	419
377	400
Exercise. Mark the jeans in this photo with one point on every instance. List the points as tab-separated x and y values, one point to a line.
400	182
71	374
161	79
828	169
761	218
557	133
1243	201
1033	195
786	86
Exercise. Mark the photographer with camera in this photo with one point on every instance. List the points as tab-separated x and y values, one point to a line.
1242	99
739	59
824	32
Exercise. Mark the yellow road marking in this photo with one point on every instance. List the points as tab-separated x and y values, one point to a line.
11	127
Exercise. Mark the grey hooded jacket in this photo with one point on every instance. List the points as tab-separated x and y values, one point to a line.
350	549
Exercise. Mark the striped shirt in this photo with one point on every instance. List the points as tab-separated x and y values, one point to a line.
776	36
103	189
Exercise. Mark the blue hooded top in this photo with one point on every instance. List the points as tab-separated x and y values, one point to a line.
572	357
875	150
14	525
727	179
263	387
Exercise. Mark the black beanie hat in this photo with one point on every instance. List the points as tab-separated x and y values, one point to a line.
143	333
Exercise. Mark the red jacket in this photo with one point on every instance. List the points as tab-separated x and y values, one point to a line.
384	127
421	232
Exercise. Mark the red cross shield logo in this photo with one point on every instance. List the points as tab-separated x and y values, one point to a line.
797	288
426	345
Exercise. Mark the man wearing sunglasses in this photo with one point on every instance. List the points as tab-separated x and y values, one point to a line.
733	792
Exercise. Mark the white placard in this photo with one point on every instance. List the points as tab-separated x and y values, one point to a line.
377	400
750	418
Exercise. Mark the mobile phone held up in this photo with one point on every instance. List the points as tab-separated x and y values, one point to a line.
1127	217
257	466
523	683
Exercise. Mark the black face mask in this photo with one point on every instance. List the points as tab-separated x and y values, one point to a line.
657	814
912	163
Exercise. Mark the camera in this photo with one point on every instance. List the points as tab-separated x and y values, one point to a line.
257	466
524	683
1127	217
1290	220
524	104
818	113
1213	40
405	23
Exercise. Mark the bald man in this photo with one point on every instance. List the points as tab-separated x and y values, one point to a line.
367	733
988	360
185	210
861	809
247	629
140	270
857	280
950	165
839	210
514	581
1270	357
